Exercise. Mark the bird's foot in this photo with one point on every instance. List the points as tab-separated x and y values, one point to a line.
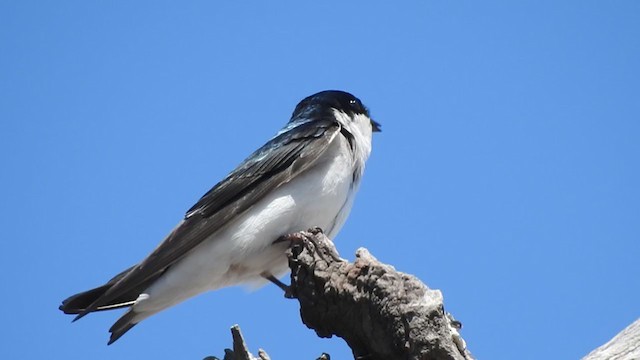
291	238
321	245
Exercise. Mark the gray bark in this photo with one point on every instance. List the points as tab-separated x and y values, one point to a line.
240	349
624	346
381	313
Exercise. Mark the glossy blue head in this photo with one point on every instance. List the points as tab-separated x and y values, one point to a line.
325	103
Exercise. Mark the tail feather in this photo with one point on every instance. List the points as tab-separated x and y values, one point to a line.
85	302
76	304
124	324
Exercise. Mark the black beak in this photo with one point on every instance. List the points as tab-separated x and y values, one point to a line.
375	126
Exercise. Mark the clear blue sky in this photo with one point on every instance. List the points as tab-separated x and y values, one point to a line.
507	173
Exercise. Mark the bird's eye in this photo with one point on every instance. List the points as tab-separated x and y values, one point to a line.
355	104
357	107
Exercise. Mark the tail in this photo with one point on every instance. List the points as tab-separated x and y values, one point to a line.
124	324
78	303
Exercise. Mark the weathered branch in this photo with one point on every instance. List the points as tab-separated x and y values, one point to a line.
240	350
624	346
381	313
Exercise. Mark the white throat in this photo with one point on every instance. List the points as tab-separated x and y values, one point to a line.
360	127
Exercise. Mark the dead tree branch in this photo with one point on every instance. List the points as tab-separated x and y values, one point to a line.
624	346
381	313
240	350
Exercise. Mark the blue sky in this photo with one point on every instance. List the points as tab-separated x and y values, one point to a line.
506	174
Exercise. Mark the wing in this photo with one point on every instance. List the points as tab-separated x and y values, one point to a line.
281	159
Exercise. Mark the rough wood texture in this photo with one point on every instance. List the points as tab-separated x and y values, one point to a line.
240	350
381	313
624	346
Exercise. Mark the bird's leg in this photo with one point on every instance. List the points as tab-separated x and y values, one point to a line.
286	288
288	293
295	238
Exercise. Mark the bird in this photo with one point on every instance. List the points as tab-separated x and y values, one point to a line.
305	176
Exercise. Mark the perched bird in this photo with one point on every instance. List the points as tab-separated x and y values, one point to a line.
305	176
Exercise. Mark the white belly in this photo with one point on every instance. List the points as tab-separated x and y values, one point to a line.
242	250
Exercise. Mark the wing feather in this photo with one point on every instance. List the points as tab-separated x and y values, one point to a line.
281	159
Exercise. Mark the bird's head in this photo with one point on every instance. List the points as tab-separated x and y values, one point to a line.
344	107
